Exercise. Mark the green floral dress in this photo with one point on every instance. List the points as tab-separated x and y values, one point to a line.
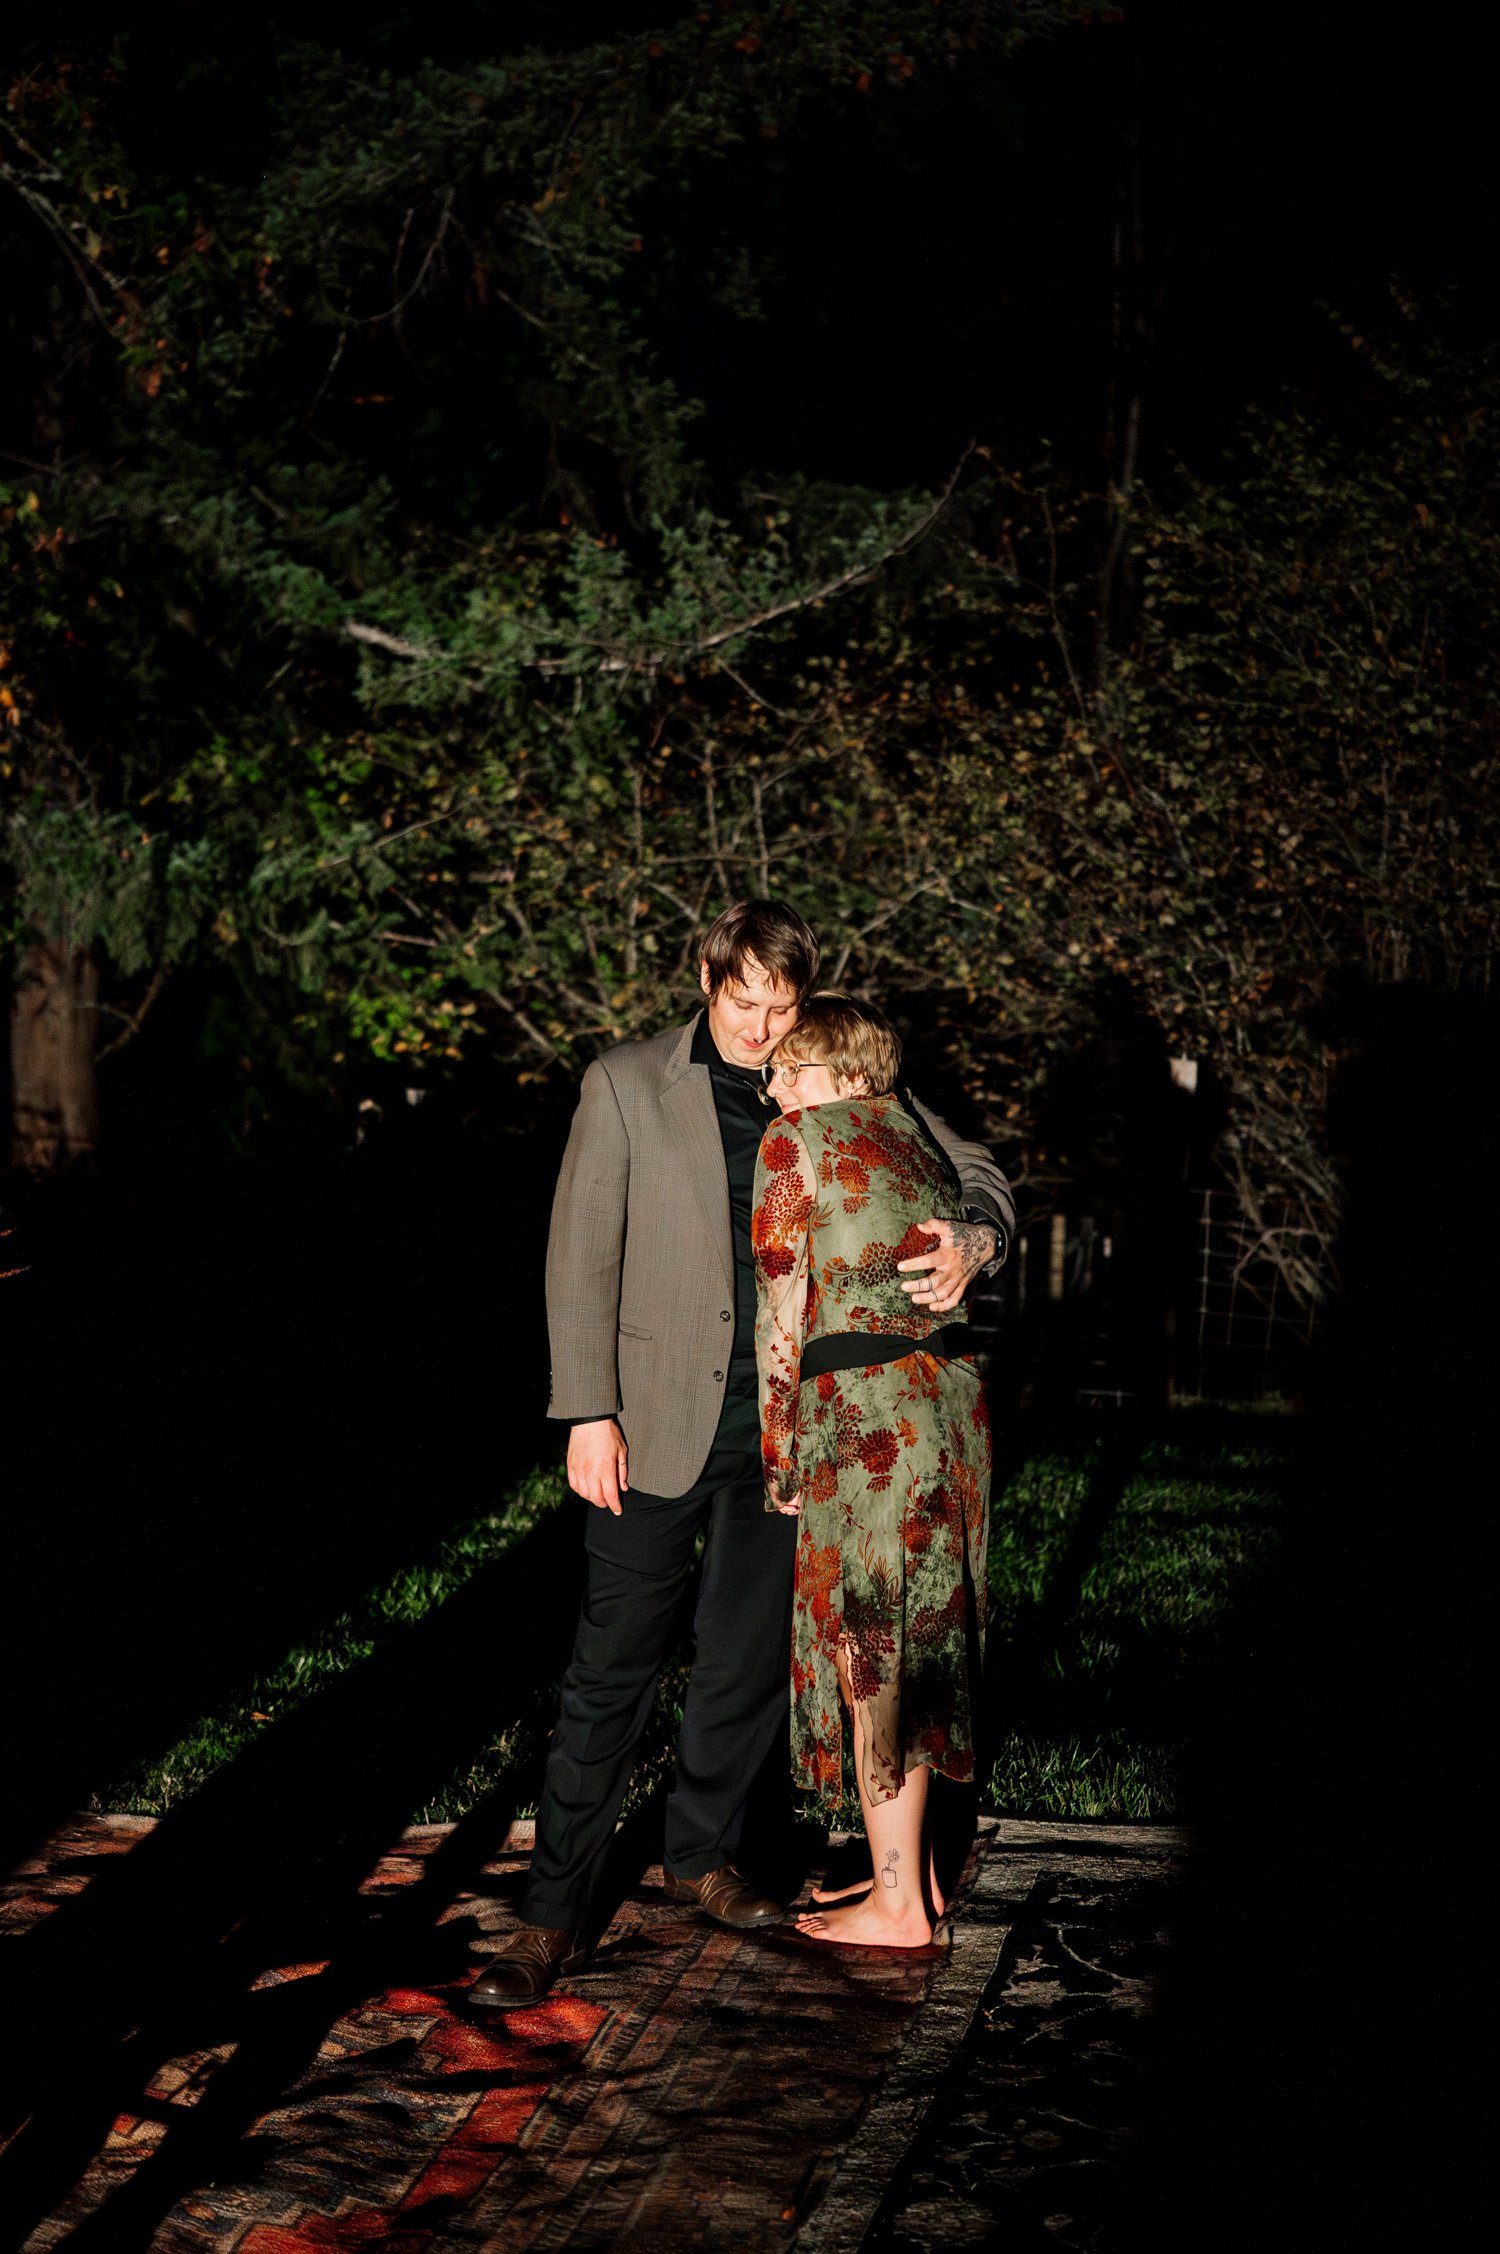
892	1462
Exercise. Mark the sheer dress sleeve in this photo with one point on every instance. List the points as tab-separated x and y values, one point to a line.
785	1192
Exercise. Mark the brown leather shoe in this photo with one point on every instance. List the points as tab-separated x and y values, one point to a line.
726	1898
525	1966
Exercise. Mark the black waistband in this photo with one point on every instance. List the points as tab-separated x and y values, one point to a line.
861	1349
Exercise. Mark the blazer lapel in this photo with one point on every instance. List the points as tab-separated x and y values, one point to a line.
688	1106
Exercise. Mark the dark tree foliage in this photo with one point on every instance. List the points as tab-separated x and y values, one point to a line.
474	507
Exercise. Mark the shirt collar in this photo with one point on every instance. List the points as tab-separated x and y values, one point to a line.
704	1052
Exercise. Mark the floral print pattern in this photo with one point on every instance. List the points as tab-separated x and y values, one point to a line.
891	1462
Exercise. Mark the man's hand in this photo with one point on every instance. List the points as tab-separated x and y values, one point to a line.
939	1279
597	1457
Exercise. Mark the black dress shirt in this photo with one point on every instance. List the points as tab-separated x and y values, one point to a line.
743	1119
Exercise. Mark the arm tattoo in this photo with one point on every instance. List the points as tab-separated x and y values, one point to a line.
888	1874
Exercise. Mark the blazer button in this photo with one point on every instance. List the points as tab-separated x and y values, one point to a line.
718	1377
723	1314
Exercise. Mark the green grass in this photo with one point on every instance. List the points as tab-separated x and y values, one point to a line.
1108	1775
1122	1597
346	1640
1120	1606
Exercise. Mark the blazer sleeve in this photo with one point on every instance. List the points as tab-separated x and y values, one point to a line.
780	1230
986	1192
584	1250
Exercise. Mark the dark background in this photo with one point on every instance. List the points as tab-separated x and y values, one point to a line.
210	1449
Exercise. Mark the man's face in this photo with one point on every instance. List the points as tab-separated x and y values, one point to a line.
749	1015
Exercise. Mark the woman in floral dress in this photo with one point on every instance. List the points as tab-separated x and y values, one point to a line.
875	1431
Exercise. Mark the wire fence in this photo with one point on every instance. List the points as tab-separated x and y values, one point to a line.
1087	1310
1252	1334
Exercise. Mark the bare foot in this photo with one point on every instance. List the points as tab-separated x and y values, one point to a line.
862	1886
841	1893
865	1925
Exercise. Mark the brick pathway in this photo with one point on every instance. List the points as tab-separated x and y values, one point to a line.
691	2087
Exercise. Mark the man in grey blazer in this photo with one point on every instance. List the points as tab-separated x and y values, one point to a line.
651	1315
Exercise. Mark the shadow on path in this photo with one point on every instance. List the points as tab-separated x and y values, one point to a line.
688	2079
261	1868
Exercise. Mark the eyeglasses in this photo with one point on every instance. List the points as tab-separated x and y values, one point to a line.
786	1073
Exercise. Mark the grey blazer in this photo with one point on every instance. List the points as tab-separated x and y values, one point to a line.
640	1261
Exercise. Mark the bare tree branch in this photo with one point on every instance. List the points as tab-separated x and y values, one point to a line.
379	639
883	915
617	661
133	1019
392	312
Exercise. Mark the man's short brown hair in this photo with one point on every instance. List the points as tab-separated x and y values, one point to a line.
849	1037
766	932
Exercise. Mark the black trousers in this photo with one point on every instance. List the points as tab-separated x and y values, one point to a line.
738	1695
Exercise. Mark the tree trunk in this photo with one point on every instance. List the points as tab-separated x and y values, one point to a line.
53	1030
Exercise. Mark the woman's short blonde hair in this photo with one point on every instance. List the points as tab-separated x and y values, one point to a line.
849	1037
